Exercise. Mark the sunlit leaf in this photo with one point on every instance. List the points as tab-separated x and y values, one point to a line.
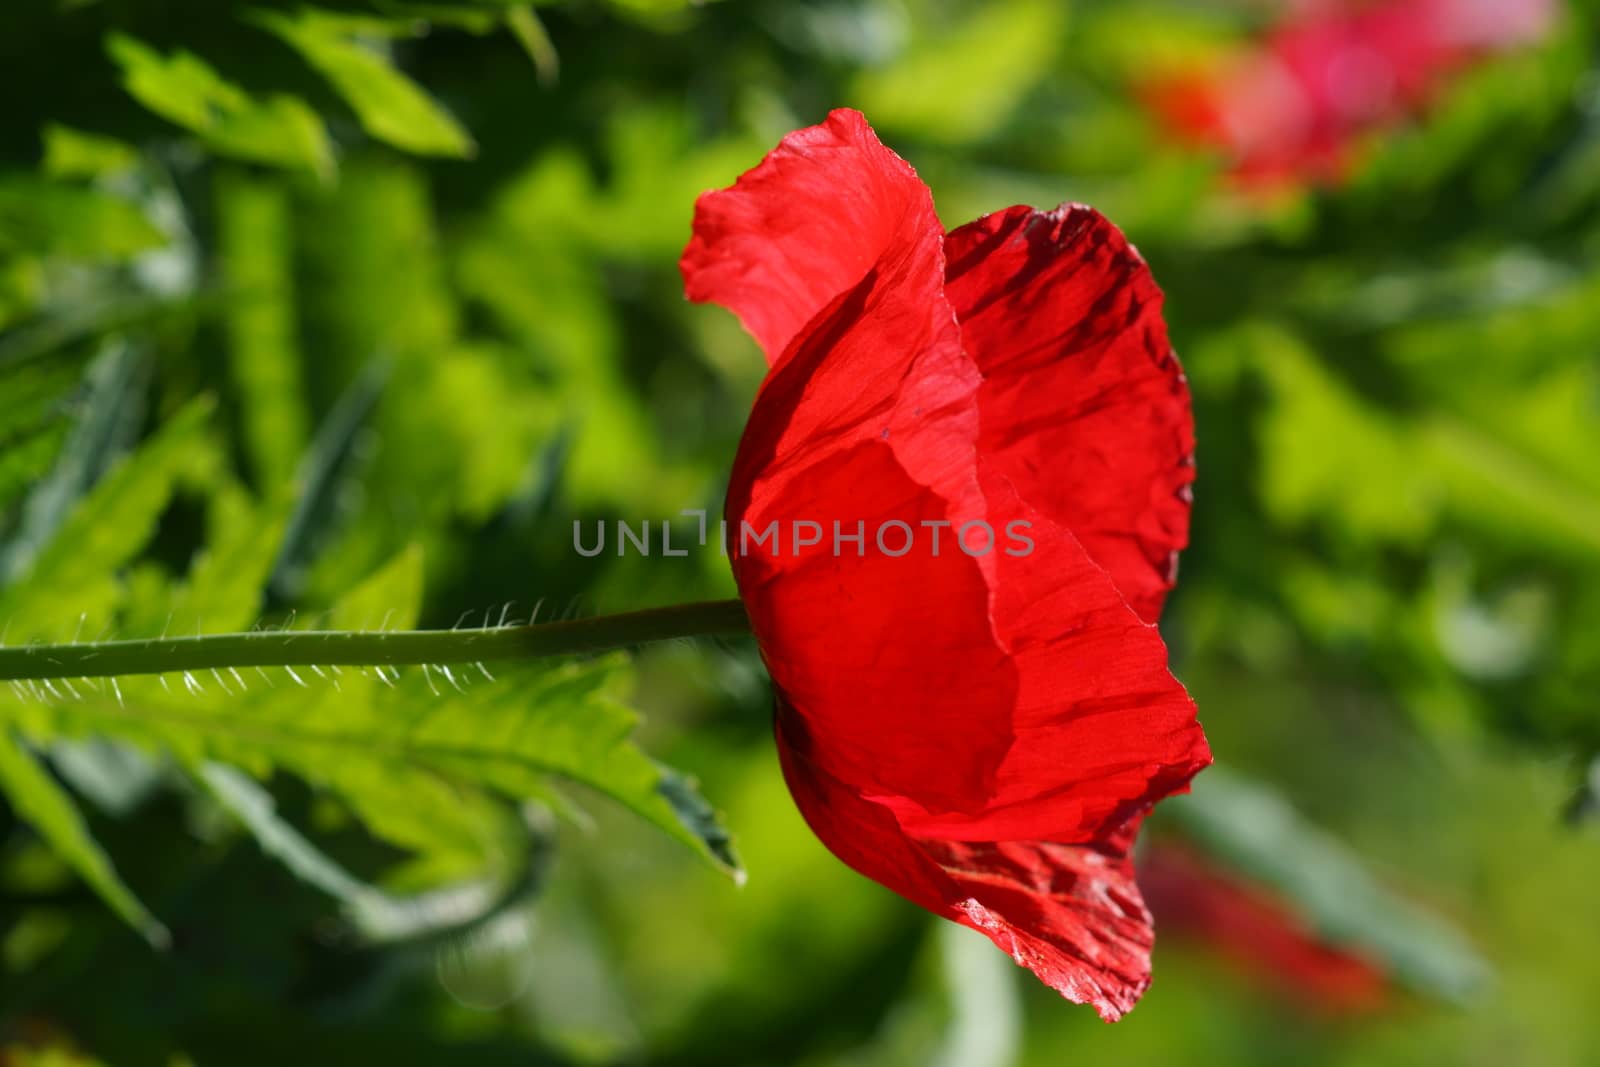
108	396
71	153
997	54
186	90
256	250
71	583
59	218
390	105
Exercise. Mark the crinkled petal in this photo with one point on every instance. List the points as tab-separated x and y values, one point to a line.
1071	914
1083	406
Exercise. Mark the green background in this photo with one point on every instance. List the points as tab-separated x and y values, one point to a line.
355	310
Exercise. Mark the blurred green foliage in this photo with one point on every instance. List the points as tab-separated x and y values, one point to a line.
348	313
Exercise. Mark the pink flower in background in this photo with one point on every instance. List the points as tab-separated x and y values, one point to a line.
1292	107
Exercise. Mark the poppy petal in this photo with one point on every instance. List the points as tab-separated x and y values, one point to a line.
1071	914
1038	707
1099	728
1084	406
800	228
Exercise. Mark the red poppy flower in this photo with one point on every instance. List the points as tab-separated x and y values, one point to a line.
1259	933
1295	106
968	469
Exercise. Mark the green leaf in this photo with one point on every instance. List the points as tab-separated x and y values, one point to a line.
42	217
997	54
404	15
184	89
223	589
323	473
388	599
1369	484
35	425
70	153
389	105
256	256
525	25
1517	468
699	818
1253	830
21	288
109	394
253	805
48	808
72	580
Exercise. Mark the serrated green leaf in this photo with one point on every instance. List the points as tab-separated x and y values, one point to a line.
1394	478
699	818
389	105
48	808
593	750
505	738
448	829
435	760
1303	478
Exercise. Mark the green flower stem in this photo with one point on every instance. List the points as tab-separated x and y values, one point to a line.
322	648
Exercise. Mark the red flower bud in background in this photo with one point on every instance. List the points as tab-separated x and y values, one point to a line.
1196	898
980	731
1294	107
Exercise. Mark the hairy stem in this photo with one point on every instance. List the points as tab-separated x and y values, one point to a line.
308	648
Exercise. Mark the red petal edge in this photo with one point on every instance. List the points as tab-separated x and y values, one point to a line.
787	238
1071	914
